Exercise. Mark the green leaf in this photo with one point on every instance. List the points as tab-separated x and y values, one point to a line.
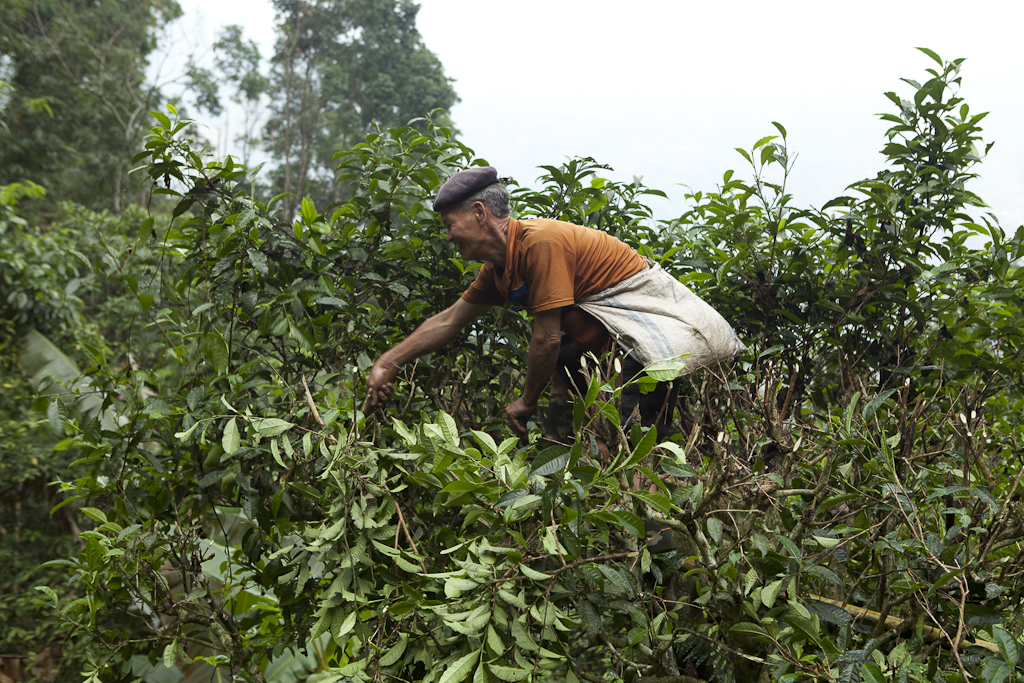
666	371
169	653
771	593
458	671
485	440
1007	645
494	641
870	673
57	414
629	521
876	403
826	542
508	673
643	449
715	529
182	436
980	615
259	262
449	430
166	122
272	426
749	630
211	478
308	211
231	440
393	654
549	461
933	55
530	573
341	627
50	593
848	415
95	514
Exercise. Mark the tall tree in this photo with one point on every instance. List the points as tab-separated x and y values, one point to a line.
77	108
339	68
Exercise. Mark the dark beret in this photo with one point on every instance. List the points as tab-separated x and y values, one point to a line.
464	184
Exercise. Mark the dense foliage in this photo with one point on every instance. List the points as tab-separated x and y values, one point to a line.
76	101
843	502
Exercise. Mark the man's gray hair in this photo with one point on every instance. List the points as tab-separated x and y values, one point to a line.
494	197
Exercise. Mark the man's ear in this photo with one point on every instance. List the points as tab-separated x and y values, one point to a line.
479	212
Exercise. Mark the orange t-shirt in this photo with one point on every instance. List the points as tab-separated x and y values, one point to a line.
552	264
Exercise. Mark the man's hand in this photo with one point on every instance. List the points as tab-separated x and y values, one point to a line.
380	383
517	414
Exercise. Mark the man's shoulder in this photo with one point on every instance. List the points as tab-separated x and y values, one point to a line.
546	230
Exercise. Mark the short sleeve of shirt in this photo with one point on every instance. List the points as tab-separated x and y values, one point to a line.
483	290
550	269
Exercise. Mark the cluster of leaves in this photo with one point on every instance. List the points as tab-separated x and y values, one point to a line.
843	504
61	289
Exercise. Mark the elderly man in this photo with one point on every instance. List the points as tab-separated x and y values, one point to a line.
574	280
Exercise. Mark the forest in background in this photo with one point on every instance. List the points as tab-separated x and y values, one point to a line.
184	445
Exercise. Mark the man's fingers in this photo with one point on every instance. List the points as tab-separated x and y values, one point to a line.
379	396
517	426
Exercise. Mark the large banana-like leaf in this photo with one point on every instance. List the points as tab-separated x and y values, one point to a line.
41	360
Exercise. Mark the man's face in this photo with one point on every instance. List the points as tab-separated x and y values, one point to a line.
464	231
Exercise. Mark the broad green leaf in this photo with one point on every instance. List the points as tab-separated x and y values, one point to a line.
870	673
449	430
1008	647
872	407
95	514
340	626
511	598
624	518
272	426
458	671
531	573
549	461
643	449
827	542
394	653
57	414
485	440
508	673
231	441
170	651
715	529
749	630
494	641
771	593
932	54
666	371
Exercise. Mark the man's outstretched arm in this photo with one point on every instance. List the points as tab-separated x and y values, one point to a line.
544	344
434	333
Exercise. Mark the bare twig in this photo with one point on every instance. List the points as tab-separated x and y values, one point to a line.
312	406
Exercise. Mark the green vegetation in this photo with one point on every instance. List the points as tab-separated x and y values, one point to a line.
843	502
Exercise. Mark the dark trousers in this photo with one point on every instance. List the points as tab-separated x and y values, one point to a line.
654	408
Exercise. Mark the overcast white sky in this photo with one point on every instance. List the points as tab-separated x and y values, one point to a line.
666	89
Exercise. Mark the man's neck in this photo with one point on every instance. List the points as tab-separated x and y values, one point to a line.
500	229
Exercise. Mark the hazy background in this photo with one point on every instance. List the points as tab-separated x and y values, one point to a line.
666	90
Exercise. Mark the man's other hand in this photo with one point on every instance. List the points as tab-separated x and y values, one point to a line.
517	414
380	383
